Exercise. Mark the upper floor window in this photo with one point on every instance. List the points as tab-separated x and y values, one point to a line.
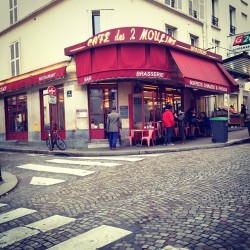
96	22
196	8
215	19
170	30
13	11
194	40
232	20
15	58
174	3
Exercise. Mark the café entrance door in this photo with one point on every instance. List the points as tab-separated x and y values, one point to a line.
101	101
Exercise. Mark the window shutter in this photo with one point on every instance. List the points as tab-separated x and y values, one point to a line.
12	51
11	6
180	4
190	7
13	70
202	9
17	67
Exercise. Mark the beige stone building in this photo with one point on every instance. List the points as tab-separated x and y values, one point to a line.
128	53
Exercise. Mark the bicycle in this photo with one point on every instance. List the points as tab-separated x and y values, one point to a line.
55	139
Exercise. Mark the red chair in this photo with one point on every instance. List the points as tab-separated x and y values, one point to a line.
148	137
130	137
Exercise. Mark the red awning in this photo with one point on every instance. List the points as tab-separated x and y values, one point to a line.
31	79
201	73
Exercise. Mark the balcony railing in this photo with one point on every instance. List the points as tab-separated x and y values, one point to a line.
232	30
215	21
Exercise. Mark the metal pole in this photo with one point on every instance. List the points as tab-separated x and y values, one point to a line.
1	179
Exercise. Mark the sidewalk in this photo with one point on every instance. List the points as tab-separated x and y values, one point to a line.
235	136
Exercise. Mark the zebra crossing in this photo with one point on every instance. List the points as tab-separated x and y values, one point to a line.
103	161
92	239
95	238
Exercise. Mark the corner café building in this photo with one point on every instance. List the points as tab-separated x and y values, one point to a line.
136	69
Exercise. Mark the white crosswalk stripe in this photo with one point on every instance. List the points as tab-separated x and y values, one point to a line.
112	158
14	214
85	163
93	239
20	233
72	171
2	204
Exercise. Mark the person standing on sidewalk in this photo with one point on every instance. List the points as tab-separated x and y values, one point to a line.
114	124
168	122
181	119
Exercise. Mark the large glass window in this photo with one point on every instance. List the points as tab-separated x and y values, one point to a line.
17	118
54	113
101	102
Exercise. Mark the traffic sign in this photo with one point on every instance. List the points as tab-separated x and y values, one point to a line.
52	99
51	91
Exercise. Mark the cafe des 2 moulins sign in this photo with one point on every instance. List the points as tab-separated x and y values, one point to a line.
136	35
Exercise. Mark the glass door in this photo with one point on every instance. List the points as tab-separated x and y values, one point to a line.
101	101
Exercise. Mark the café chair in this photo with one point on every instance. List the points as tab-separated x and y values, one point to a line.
176	129
130	137
148	137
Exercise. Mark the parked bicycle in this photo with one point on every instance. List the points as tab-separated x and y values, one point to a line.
55	139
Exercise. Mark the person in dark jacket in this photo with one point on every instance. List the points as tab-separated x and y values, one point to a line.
168	122
114	124
181	119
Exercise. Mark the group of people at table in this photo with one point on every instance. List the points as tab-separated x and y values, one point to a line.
182	125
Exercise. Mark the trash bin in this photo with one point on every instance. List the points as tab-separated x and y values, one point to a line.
219	129
247	124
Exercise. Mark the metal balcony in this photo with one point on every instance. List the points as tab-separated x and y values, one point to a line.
215	21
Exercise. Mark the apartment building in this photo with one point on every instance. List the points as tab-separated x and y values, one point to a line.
136	55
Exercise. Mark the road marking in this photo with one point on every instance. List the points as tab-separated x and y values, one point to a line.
112	158
85	163
45	181
72	171
2	204
173	248
93	239
14	214
16	234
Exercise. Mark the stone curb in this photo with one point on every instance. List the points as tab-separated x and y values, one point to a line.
9	182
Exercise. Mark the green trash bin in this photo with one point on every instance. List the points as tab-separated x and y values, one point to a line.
247	124
219	129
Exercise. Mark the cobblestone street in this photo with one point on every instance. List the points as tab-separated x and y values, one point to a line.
183	200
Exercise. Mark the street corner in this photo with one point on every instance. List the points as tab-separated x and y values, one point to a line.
8	183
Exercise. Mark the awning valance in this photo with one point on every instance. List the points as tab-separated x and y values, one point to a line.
33	78
202	73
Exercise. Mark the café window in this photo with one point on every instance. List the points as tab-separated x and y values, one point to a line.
194	40
96	22
170	30
53	113
17	118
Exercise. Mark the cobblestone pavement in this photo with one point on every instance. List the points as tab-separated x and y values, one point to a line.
188	200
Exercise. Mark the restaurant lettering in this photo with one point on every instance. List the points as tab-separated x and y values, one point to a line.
3	89
156	36
46	77
210	86
87	79
128	35
198	50
150	74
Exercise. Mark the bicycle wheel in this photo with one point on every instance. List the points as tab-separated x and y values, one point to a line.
49	144
60	143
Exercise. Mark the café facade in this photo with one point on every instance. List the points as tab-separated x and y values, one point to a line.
136	69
